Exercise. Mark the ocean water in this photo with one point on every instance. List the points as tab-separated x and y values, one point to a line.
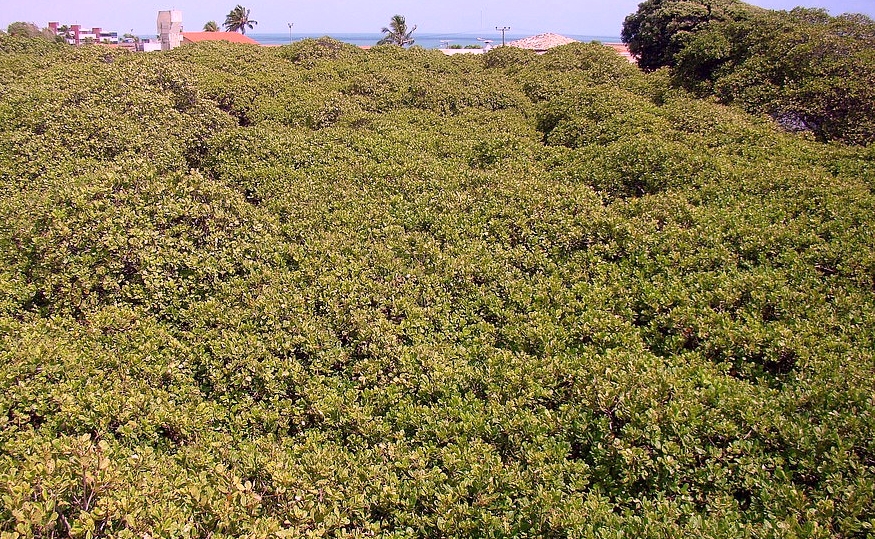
427	41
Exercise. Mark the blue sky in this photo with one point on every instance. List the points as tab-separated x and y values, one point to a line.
576	17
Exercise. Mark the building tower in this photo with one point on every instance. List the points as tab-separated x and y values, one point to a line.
170	29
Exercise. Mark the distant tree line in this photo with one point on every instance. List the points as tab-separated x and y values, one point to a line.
30	30
806	69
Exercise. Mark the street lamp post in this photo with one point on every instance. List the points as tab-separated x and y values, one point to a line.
502	29
290	31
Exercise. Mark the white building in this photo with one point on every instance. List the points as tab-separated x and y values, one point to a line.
76	35
170	29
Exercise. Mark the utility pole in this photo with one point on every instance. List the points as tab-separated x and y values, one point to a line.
502	29
290	31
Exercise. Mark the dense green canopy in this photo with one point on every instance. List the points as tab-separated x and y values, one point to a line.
804	68
807	70
659	29
393	293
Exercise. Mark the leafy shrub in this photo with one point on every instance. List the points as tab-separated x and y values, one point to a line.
13	44
598	63
508	57
308	52
597	115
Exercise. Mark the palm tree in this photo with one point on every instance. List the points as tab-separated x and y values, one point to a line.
397	33
211	27
239	19
65	33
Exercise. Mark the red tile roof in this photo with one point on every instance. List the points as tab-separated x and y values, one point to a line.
233	37
623	50
541	42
